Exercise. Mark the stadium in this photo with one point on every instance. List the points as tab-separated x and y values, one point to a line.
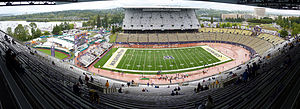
152	46
163	58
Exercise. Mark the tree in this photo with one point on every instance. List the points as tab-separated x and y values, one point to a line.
202	25
71	26
9	31
295	29
38	33
33	25
20	33
283	33
105	21
46	33
56	30
98	21
211	19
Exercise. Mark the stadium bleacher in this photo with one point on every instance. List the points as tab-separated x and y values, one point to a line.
95	52
145	18
260	44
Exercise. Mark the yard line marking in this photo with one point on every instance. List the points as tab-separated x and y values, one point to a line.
176	58
186	63
135	60
186	57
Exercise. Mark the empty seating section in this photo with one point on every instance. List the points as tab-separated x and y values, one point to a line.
172	38
93	53
182	37
271	38
133	38
153	38
260	44
122	38
163	38
165	19
143	38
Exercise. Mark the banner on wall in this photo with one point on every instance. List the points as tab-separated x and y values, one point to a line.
52	51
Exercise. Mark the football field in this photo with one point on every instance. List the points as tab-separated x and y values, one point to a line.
164	59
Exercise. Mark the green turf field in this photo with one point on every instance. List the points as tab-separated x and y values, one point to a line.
58	55
167	60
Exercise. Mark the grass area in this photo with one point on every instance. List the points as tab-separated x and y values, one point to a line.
162	59
105	58
268	27
254	24
112	38
165	59
58	55
144	79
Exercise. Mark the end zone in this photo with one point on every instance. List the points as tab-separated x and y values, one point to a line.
115	58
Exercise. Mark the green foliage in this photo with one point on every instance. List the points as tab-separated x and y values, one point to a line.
9	31
261	21
37	33
292	24
21	33
56	30
46	33
98	21
283	33
33	25
295	29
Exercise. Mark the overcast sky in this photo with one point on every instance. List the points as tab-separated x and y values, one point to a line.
14	10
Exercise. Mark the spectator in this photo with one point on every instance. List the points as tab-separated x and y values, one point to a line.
91	94
172	93
143	90
80	80
245	76
76	89
120	90
92	79
128	84
209	104
96	97
107	84
86	78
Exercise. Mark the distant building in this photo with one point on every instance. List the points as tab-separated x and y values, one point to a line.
234	16
259	12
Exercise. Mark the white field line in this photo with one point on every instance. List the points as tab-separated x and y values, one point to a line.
184	60
134	59
195	60
198	51
175	61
